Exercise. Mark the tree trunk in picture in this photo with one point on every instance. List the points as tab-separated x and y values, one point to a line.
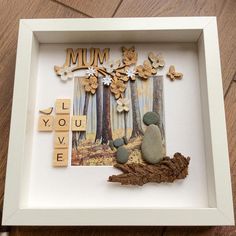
76	107
99	110
106	120
125	123
85	111
137	127
157	105
74	140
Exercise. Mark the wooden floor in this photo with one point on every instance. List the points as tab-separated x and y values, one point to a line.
12	10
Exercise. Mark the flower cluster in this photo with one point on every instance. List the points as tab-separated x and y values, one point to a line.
146	70
117	73
149	67
111	66
91	81
64	72
118	87
130	56
122	105
90	84
120	73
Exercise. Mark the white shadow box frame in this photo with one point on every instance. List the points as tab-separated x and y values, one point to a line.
199	30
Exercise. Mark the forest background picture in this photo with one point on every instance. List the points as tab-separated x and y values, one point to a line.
105	123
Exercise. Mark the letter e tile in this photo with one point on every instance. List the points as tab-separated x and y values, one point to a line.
60	157
62	106
78	123
45	123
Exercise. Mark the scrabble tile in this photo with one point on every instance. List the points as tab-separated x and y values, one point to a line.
62	106
45	123
61	139
62	122
78	123
60	157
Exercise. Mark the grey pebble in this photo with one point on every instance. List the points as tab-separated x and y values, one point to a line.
111	145
125	140
118	142
151	147
122	155
151	118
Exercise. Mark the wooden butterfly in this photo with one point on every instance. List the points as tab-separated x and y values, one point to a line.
173	75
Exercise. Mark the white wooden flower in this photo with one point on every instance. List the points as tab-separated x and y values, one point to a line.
90	71
106	80
65	73
110	66
131	73
122	104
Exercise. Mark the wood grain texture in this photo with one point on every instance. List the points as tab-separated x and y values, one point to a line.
86	231
230	110
93	8
11	11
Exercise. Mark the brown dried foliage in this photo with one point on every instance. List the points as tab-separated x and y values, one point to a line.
168	170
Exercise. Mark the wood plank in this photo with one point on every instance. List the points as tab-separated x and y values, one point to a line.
226	15
87	231
140	8
202	231
230	112
224	10
10	13
93	8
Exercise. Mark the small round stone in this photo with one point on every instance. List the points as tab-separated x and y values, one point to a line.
125	140
118	142
111	145
150	118
122	155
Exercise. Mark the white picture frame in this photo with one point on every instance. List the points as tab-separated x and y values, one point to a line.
201	30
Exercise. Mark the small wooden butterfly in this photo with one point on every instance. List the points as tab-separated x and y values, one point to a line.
173	75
